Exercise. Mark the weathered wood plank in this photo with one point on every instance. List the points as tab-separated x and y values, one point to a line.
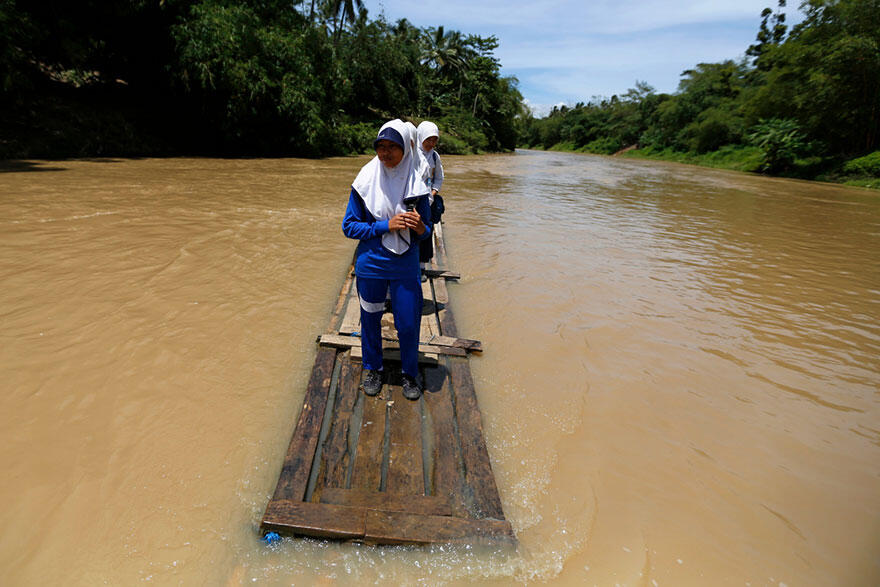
337	317
352	320
467	344
447	346
314	519
440	293
337	452
475	456
405	528
444	314
394	355
430	327
301	452
442	274
445	475
440	254
405	467
367	473
428	505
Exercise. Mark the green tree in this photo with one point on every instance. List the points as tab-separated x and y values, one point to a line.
342	10
826	75
781	141
770	34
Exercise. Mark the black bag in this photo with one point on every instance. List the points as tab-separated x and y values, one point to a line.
437	209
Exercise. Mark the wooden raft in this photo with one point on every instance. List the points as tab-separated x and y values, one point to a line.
384	469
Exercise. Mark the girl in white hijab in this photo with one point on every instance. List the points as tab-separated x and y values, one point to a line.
431	171
429	134
388	213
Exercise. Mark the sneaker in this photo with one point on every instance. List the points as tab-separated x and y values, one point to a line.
411	387
372	382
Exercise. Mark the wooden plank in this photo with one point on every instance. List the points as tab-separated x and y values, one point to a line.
441	293
394	355
459	343
352	320
475	456
440	253
435	505
301	452
345	342
444	314
367	473
442	274
405	528
405	467
445	474
337	450
341	302
430	327
314	519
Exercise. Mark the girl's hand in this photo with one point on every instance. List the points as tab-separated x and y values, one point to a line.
407	220
414	221
397	222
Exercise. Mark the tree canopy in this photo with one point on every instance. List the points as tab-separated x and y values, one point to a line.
245	77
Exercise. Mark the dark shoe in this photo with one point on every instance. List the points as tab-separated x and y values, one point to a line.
411	387
372	383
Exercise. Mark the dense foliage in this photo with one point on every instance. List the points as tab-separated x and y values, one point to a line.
807	99
235	77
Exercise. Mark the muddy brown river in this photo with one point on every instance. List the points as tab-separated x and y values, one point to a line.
680	383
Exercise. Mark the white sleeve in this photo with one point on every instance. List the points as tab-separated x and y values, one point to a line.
438	172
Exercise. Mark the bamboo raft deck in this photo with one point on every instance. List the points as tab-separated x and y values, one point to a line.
384	469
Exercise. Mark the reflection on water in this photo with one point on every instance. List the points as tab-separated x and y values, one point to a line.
679	384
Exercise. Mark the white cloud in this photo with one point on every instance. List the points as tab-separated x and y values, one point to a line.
572	50
551	16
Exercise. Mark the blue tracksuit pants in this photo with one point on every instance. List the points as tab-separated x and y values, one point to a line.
406	305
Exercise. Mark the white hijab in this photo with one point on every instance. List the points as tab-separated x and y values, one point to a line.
426	130
413	133
383	189
418	160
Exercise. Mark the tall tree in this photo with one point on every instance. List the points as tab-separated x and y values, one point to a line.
342	10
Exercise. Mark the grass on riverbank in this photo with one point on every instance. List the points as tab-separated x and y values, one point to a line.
737	158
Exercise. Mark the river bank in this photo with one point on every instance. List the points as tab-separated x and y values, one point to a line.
858	172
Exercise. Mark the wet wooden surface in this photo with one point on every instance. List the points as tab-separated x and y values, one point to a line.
384	469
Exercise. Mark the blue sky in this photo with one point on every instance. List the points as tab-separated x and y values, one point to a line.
569	51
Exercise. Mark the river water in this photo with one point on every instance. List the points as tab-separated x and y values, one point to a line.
680	383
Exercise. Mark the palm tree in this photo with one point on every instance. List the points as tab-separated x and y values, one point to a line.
343	9
448	54
444	51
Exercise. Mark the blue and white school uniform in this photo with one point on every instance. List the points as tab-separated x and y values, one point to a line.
388	260
432	168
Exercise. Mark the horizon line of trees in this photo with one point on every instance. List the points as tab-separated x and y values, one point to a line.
243	77
808	96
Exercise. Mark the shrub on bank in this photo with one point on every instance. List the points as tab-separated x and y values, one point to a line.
735	157
869	165
356	138
603	146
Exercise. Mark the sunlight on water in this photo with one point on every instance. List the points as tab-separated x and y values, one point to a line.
679	383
